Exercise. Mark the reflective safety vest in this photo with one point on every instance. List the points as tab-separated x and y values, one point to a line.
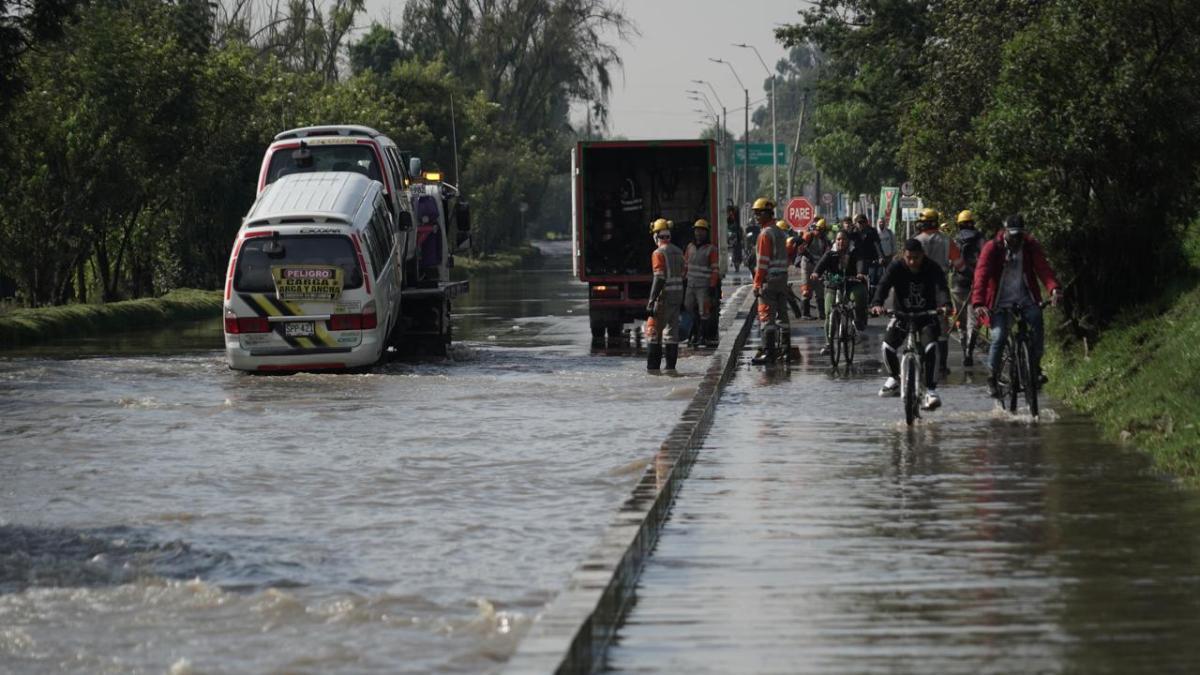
772	255
667	263
940	249
702	265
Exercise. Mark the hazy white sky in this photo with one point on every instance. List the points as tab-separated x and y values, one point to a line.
676	39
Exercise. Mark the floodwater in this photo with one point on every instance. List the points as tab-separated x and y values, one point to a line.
816	533
161	513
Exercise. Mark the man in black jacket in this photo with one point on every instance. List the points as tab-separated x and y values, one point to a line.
920	286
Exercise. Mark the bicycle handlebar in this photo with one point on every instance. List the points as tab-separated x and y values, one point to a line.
912	315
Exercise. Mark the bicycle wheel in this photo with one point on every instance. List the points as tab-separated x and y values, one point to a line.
909	374
1025	367
835	337
848	335
1014	375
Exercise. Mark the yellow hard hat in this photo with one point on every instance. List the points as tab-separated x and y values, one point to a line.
821	224
660	225
702	223
762	203
965	217
928	216
783	225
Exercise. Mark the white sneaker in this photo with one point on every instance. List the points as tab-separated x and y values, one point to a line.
932	401
890	388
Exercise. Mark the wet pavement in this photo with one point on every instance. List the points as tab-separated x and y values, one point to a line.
160	512
817	533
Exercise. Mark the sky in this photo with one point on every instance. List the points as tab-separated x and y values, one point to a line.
677	37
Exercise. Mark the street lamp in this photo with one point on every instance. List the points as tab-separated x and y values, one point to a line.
724	124
746	154
774	153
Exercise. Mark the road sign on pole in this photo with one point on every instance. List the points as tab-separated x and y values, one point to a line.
760	154
827	199
799	213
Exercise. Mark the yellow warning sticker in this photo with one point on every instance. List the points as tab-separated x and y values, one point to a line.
307	282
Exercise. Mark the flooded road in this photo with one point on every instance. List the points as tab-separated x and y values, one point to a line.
816	533
161	513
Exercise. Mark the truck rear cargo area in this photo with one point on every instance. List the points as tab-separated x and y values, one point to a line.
624	188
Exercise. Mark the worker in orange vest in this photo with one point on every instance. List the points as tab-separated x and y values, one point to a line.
770	280
701	264
666	298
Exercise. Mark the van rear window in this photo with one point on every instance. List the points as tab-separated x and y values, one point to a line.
357	158
253	273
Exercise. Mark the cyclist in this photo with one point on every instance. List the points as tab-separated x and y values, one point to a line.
942	250
1006	276
818	244
887	249
864	247
920	286
840	268
969	242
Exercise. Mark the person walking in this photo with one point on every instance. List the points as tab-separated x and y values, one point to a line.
770	279
887	248
817	244
666	298
970	243
703	273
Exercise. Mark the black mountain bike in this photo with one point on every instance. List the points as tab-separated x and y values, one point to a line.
912	367
1016	375
842	331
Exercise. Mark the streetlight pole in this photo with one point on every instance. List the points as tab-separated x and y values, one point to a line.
746	147
774	153
724	127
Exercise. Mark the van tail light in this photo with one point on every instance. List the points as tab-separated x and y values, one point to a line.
369	320
364	321
238	325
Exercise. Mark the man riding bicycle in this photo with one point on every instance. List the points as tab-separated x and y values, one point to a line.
1006	277
839	268
920	287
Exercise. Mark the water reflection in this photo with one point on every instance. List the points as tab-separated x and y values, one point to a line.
818	533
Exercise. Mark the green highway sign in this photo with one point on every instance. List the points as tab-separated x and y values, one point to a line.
760	154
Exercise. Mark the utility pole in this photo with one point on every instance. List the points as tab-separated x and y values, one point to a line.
774	154
724	126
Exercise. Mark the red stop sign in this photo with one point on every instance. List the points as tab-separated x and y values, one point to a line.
799	213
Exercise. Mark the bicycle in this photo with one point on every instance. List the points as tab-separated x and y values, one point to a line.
912	366
1016	374
843	332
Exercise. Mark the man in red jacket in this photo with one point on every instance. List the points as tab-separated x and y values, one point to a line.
1007	276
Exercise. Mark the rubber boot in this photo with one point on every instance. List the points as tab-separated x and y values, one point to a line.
654	354
806	308
672	352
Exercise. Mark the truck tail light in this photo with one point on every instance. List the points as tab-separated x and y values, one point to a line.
606	291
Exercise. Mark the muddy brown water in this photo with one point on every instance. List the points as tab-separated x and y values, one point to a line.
161	513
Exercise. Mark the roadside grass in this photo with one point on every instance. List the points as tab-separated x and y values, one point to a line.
1140	381
30	326
520	257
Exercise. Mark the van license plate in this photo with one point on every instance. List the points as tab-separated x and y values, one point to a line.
299	329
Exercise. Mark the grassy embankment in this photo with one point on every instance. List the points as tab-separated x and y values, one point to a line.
30	326
519	257
1141	381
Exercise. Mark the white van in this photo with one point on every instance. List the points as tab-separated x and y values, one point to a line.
314	276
